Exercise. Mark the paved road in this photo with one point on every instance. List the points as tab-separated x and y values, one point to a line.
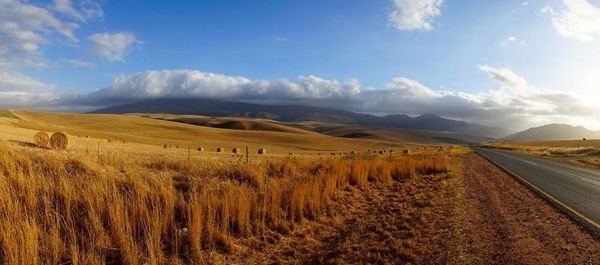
574	187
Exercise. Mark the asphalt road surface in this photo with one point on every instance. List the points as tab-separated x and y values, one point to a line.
574	190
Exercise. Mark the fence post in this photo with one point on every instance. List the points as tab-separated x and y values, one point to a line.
188	160
98	151
247	154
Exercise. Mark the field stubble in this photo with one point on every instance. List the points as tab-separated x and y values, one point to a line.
75	207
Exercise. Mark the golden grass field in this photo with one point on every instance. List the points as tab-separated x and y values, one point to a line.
136	202
156	132
580	152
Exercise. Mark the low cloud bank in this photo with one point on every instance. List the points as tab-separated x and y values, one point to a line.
512	104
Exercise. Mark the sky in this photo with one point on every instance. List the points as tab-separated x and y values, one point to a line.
513	64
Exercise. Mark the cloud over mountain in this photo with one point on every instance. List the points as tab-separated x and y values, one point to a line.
513	103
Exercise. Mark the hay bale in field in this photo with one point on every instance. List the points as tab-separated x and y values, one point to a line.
262	151
165	146
220	150
109	140
236	150
353	152
406	152
41	139
59	141
291	154
200	149
332	154
381	152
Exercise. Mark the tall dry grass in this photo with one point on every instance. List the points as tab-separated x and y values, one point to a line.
56	209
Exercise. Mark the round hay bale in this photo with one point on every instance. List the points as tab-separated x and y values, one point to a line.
200	149
406	151
353	152
165	146
220	150
59	141
236	150
41	139
262	151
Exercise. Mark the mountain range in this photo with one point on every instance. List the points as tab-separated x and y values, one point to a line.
299	113
554	132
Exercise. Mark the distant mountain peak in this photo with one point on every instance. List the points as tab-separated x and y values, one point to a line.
554	131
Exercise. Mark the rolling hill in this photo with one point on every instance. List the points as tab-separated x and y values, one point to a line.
418	137
295	113
136	129
554	132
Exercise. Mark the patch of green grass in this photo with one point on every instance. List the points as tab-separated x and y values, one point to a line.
7	114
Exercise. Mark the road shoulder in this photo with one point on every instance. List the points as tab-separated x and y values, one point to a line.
506	223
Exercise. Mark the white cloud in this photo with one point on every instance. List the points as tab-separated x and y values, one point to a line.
86	9
511	40
13	82
79	63
415	14
506	78
192	83
578	19
514	103
113	47
18	90
25	27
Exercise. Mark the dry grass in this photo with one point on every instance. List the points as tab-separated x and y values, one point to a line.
60	208
134	129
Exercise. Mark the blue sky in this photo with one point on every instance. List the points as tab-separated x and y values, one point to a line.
506	63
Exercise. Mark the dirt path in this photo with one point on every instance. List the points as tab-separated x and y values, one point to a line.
505	223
